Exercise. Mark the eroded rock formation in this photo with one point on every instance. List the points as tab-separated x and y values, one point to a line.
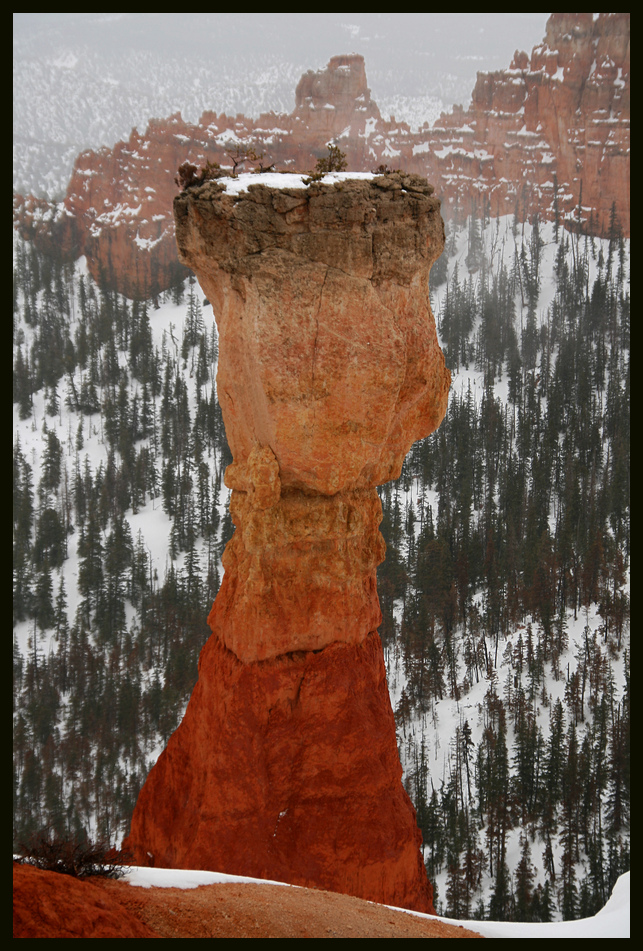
549	135
285	765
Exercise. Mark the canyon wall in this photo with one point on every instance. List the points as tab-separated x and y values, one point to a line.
285	765
550	135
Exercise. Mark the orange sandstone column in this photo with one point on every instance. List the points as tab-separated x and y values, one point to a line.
285	765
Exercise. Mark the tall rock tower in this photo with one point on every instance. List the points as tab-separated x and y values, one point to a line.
285	765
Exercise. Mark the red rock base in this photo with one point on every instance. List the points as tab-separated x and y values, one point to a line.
287	769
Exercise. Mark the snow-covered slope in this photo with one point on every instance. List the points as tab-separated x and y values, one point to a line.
613	921
428	736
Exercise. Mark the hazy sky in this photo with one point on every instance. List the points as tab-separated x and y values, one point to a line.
416	46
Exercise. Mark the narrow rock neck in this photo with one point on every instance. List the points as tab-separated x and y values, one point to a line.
300	572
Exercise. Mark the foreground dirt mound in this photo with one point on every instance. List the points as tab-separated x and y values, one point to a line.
48	905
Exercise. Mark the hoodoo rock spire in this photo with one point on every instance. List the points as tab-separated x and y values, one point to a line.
285	765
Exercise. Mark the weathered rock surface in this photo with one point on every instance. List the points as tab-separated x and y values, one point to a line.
321	300
285	765
287	770
536	135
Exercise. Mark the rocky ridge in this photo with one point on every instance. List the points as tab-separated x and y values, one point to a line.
550	135
329	370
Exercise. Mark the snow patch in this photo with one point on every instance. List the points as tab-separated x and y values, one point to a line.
235	186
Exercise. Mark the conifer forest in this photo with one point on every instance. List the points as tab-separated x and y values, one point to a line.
505	590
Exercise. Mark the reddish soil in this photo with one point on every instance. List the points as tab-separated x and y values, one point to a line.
49	905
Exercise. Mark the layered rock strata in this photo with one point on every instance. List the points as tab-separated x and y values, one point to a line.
549	135
285	765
